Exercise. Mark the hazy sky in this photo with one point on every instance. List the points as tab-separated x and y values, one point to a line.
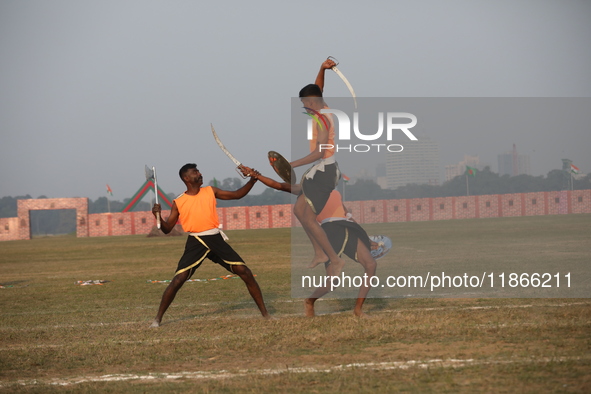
92	91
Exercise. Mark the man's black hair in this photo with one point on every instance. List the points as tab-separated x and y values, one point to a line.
185	168
311	90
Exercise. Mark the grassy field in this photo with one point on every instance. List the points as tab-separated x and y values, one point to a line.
59	336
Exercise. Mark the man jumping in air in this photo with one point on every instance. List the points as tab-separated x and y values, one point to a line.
196	209
320	179
344	234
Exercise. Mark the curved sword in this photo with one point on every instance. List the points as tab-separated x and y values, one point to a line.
223	148
345	80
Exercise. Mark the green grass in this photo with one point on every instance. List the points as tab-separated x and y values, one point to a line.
57	336
524	245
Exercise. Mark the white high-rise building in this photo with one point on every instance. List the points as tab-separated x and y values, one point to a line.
417	163
453	170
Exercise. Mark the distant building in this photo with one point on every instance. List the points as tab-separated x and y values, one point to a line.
381	175
513	164
382	181
417	163
453	170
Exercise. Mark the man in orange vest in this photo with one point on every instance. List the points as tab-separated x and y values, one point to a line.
196	208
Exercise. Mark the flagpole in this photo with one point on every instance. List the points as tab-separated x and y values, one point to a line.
109	191
467	188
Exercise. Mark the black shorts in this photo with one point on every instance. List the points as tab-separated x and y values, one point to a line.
343	236
317	190
213	247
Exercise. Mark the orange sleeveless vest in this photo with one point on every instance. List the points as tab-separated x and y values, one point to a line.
198	213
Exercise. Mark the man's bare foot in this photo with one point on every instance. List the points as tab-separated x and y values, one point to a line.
309	307
318	259
155	323
360	314
336	267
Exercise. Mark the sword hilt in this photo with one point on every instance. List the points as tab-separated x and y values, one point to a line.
240	173
334	59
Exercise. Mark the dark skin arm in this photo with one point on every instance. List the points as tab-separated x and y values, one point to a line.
236	194
167	225
326	65
281	186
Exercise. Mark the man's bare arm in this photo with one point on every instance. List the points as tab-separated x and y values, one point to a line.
167	225
272	183
327	64
317	153
281	186
236	194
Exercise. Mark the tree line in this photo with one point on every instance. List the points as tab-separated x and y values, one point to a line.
483	183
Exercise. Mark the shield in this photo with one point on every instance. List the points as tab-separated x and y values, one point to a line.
282	167
384	246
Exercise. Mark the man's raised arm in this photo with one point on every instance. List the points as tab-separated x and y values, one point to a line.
327	64
236	194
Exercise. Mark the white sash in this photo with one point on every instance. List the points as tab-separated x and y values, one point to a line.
327	220
319	166
213	231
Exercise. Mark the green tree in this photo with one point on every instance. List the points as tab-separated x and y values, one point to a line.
363	189
8	205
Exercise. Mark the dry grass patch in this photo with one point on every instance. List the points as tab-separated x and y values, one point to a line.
53	332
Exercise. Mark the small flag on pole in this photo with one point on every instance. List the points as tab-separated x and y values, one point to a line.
574	169
345	178
109	191
470	171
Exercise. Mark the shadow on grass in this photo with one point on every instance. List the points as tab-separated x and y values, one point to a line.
12	283
224	310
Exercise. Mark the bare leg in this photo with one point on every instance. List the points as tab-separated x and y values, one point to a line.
253	287
308	219
367	261
168	296
309	302
309	307
319	256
